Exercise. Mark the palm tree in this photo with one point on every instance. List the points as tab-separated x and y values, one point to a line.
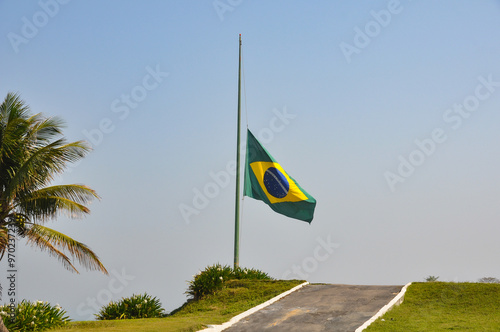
32	153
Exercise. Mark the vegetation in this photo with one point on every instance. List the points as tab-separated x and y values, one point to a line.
36	316
213	278
32	153
136	306
489	280
234	298
443	306
431	279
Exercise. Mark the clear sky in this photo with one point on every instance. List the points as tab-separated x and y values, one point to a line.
387	112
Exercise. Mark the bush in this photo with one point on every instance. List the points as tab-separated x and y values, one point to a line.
431	279
136	306
489	280
34	316
213	277
253	274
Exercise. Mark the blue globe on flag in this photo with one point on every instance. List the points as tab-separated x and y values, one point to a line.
276	183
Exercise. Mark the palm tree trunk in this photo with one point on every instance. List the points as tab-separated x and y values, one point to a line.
2	326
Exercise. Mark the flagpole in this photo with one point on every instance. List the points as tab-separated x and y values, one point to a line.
237	205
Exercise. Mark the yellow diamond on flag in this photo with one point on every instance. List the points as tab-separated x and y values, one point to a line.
276	183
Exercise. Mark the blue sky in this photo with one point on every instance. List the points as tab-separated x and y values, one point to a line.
387	114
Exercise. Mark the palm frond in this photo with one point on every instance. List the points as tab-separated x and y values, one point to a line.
13	123
43	130
42	209
44	245
13	107
13	126
4	240
43	204
76	192
49	239
43	164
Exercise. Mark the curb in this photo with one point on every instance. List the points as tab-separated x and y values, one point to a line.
395	301
235	319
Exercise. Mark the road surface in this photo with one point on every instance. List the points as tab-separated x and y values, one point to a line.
318	307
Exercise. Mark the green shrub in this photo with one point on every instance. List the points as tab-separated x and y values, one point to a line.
33	316
489	280
431	279
213	277
136	306
253	274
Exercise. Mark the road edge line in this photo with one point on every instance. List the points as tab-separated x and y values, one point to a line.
237	318
395	301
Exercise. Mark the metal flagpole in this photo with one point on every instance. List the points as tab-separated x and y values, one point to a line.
237	205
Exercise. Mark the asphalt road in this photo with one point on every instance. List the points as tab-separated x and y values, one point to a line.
315	308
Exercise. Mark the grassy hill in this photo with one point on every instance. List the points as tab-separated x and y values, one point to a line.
430	306
444	306
236	297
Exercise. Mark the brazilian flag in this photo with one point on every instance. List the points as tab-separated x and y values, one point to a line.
267	181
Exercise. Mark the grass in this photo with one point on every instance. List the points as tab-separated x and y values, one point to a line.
444	306
236	297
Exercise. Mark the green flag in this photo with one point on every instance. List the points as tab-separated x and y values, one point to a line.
267	181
